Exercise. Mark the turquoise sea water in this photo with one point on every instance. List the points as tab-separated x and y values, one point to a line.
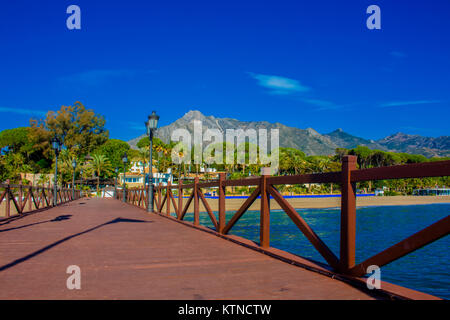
426	269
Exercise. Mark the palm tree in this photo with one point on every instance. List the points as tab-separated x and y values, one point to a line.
100	164
143	157
67	170
332	166
181	156
284	162
291	160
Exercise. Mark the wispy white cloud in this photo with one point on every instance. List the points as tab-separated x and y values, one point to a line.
100	76
293	88
23	111
408	103
279	85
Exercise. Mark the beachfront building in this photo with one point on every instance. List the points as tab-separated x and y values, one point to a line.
432	192
204	175
134	178
209	174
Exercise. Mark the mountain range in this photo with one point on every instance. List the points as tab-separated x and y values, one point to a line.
309	140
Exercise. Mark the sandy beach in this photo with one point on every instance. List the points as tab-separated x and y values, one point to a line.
299	203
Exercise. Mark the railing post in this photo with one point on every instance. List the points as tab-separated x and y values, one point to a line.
264	233
8	199
196	204
20	196
159	197
155	190
348	214
222	219
180	198
30	190
51	193
168	198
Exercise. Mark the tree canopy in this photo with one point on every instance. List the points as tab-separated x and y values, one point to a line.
113	149
83	132
78	128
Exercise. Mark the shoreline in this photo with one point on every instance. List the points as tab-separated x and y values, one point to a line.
233	204
329	202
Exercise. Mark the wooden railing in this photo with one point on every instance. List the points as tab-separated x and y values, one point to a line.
18	199
266	187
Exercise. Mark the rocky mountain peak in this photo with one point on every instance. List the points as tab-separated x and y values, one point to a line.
312	132
309	140
193	115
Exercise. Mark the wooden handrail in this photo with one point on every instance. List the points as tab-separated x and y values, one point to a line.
414	170
29	198
347	178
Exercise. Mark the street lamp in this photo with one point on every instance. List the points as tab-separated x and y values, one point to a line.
56	146
124	160
116	170
151	125
74	166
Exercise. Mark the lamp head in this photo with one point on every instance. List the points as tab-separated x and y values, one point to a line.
55	144
152	122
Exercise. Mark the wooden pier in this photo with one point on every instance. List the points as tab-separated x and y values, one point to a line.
126	252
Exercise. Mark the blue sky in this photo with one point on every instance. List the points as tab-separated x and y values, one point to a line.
301	63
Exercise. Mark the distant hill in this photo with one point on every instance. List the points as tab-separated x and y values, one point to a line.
308	140
346	140
416	144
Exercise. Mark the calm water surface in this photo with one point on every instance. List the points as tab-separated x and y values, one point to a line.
426	269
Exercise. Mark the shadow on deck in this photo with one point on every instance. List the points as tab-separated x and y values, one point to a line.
125	253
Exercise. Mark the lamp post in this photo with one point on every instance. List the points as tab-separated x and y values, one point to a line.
74	166
56	145
124	160
116	170
151	125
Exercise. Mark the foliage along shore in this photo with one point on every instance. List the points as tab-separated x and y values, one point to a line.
86	140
